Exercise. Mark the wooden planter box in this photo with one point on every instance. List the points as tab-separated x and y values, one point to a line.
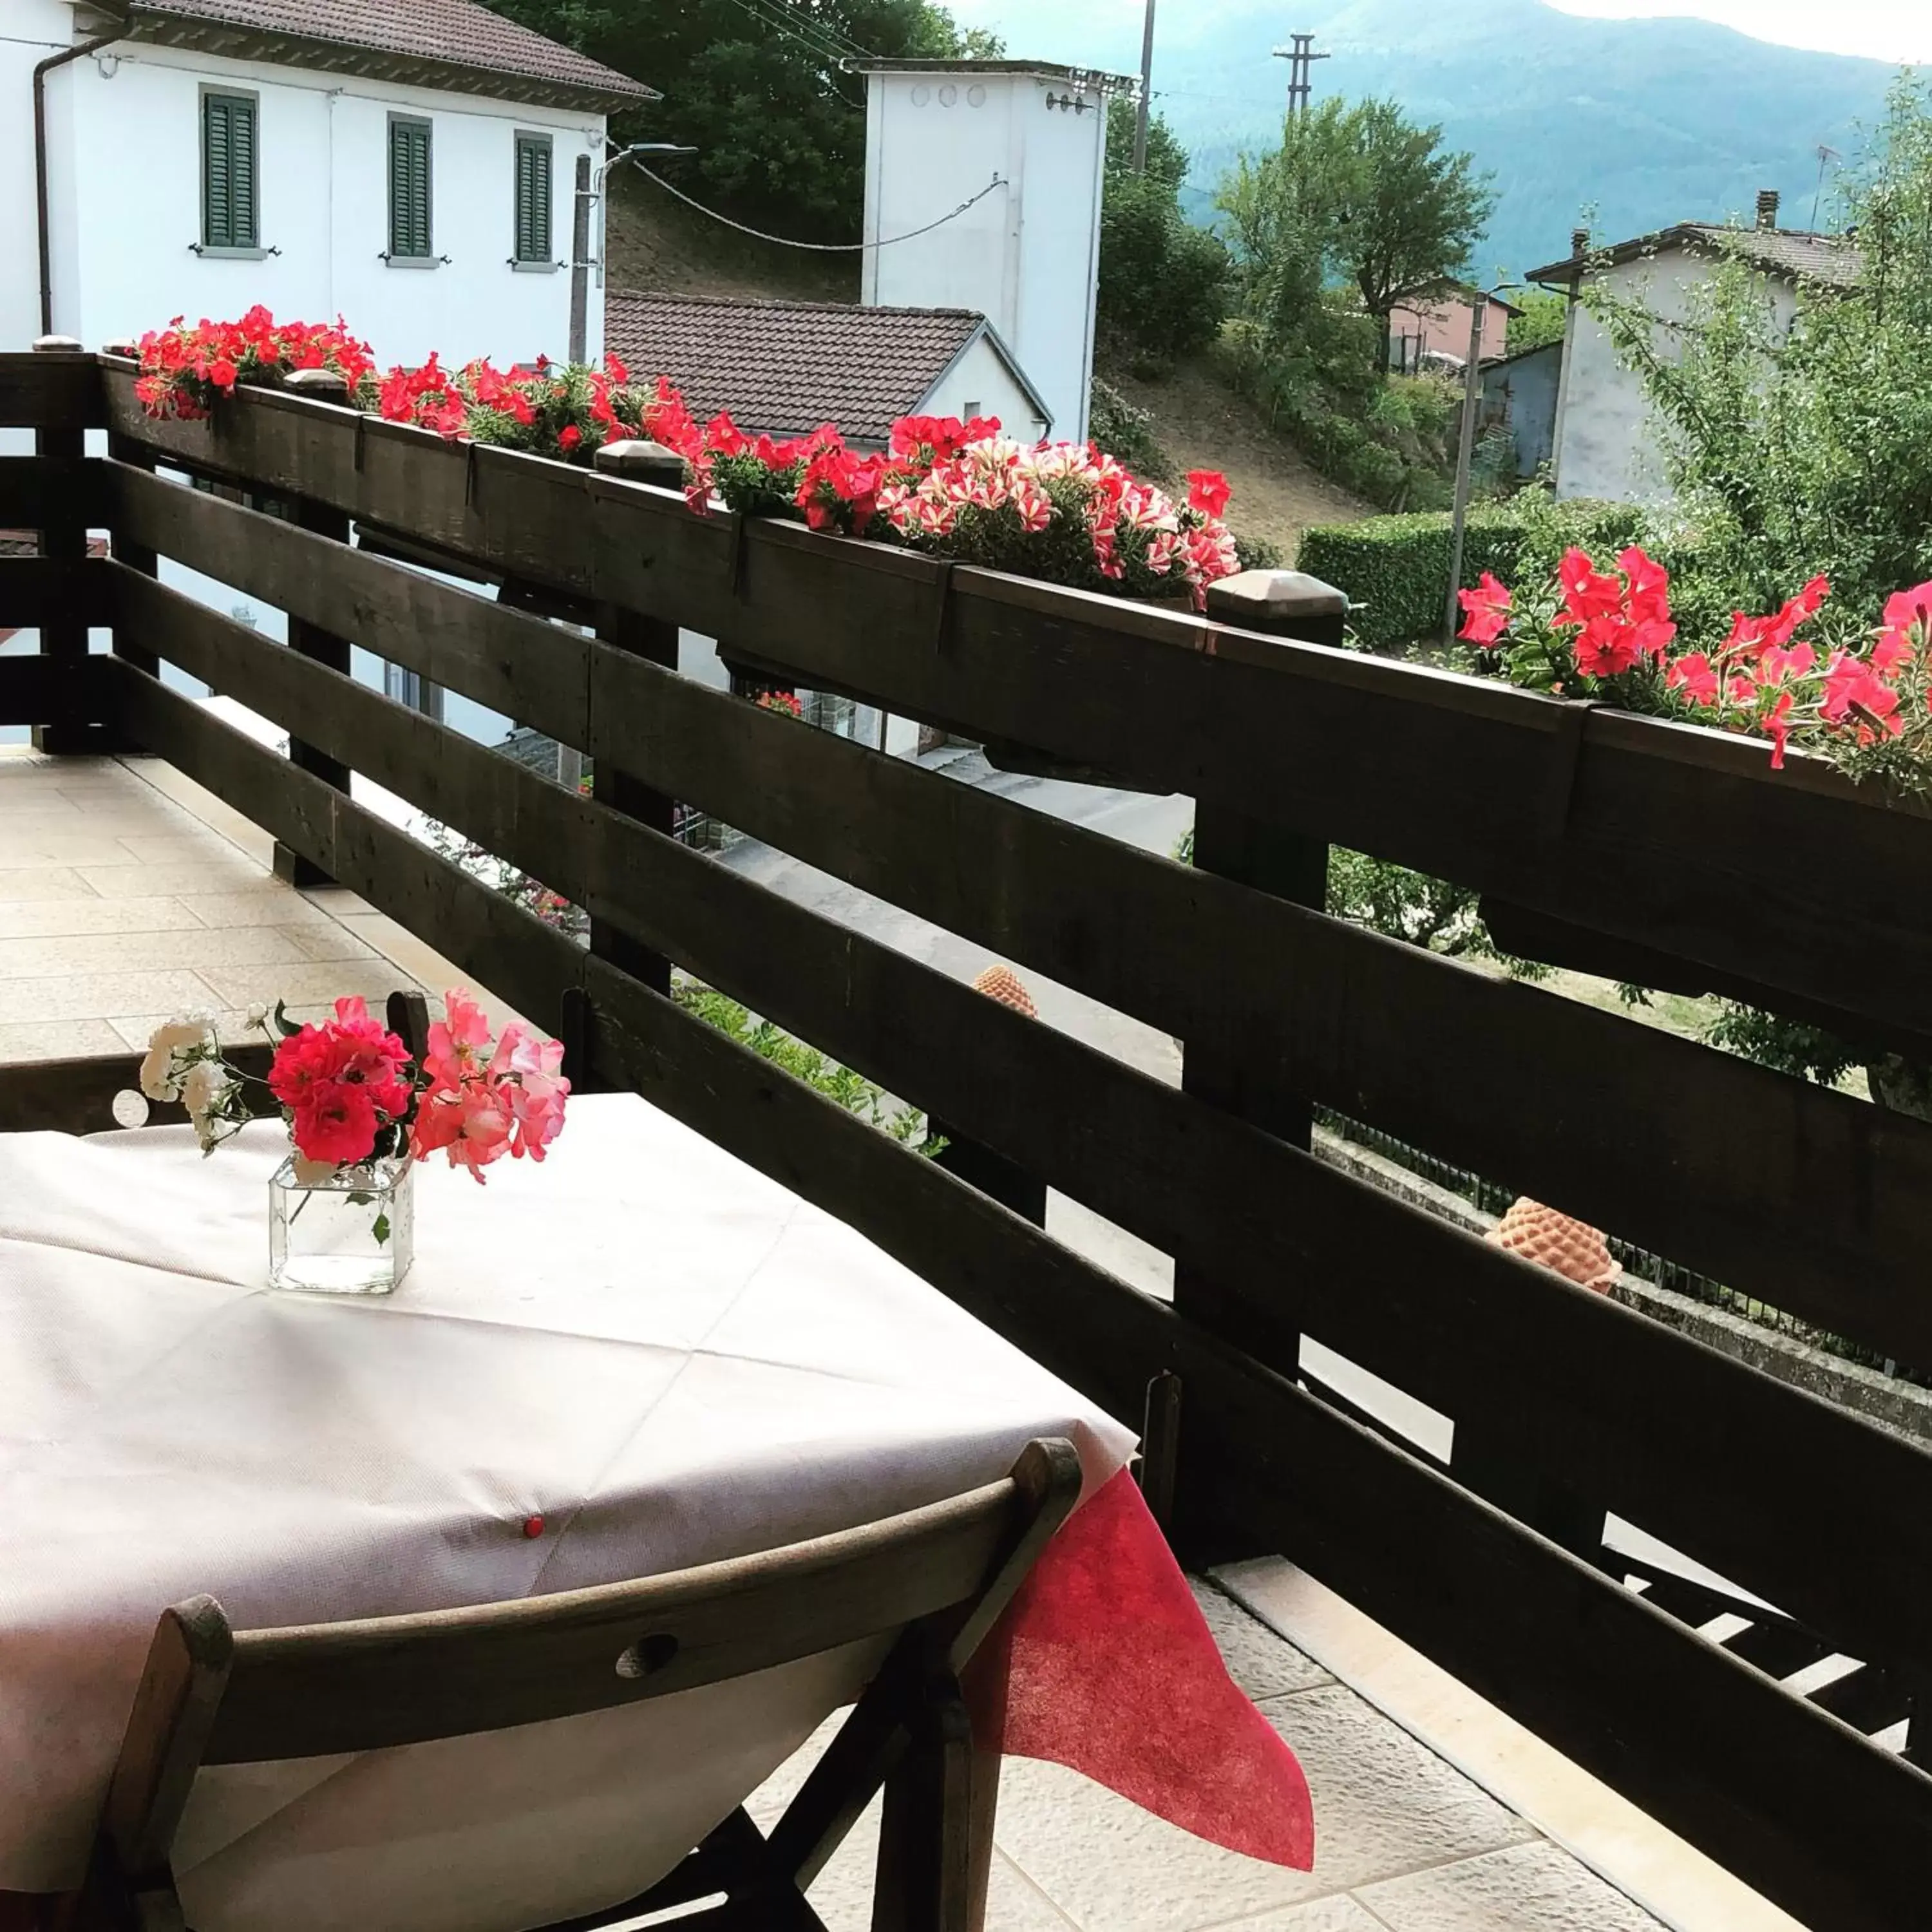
1656	835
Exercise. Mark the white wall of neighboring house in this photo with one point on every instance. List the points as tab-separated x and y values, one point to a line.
982	383
125	160
1027	255
1605	445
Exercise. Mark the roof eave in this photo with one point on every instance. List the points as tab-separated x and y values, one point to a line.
283	50
986	332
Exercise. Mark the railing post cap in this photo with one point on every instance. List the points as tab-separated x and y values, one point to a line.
642	462
322	384
1263	598
56	345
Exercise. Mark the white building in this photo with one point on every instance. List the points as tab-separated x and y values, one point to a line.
407	164
1026	143
1604	444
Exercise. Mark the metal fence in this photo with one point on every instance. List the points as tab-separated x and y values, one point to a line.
1489	1197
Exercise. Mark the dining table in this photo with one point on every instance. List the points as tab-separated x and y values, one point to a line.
639	1355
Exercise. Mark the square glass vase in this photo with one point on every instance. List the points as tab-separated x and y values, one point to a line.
352	1234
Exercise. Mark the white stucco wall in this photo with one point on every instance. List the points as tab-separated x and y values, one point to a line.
125	165
981	383
1605	445
1027	255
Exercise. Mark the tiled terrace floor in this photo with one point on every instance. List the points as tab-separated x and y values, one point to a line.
1405	1842
128	894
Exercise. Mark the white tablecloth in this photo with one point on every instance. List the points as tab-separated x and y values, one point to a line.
667	1356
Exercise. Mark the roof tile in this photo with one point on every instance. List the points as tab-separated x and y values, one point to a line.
452	33
785	367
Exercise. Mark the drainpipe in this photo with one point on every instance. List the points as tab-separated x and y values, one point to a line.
123	25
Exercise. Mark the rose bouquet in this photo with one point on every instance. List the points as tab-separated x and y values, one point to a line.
360	1111
351	1095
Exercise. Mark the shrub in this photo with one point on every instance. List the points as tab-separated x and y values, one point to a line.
1126	432
1396	569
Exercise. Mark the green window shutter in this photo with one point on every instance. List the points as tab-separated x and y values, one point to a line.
409	233
228	158
533	198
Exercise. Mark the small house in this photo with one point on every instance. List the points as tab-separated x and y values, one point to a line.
1604	446
408	164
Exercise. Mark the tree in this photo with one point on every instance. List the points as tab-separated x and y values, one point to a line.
759	88
1545	316
1360	194
1163	281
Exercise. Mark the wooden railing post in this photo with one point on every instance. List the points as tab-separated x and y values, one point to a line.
64	534
131	555
638	462
323	646
1222	1070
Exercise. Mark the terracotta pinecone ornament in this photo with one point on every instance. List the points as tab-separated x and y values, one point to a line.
1003	983
1572	1248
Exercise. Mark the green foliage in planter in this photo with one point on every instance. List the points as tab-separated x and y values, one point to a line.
856	1094
1396	569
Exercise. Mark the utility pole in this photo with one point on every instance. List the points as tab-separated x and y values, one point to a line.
1458	517
1146	92
1299	56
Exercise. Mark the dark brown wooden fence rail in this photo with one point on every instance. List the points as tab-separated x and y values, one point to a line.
1813	897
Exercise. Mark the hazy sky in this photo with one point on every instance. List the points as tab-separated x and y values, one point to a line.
1890	30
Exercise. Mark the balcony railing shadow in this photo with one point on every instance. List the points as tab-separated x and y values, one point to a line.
1679	848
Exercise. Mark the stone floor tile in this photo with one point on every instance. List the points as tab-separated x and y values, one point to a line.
104	996
1339	1913
76	846
226	871
374	979
1532	1888
193	948
59	919
159	844
266	901
57	1039
232	1025
43	883
325	939
1383	1804
1262	1664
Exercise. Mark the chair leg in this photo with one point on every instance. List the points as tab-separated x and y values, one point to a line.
936	1840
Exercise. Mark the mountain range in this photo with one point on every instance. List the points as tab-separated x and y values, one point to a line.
1622	125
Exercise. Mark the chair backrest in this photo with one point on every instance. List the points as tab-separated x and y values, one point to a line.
214	1695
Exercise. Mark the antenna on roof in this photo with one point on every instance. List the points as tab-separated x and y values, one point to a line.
1825	154
1300	75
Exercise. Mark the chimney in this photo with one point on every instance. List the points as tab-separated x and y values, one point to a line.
1580	241
1767	208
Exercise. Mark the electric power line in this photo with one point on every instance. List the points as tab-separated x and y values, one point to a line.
819	50
818	247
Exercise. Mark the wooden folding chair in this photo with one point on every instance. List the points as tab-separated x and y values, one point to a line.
938	1577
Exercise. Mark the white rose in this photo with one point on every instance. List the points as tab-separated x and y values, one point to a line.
160	1079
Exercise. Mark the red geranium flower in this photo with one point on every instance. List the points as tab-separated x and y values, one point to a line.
1207	491
1486	611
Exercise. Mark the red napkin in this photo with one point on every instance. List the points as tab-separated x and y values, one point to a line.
1110	1669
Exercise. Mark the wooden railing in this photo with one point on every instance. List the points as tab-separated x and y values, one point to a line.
1677	851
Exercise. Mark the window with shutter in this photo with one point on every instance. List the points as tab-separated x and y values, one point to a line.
533	198
228	171
409	229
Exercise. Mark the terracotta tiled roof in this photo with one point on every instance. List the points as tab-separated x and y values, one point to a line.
1802	256
785	367
448	35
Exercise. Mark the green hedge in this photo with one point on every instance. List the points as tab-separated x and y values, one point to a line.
1396	569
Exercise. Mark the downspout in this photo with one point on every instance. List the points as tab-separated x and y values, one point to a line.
124	26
